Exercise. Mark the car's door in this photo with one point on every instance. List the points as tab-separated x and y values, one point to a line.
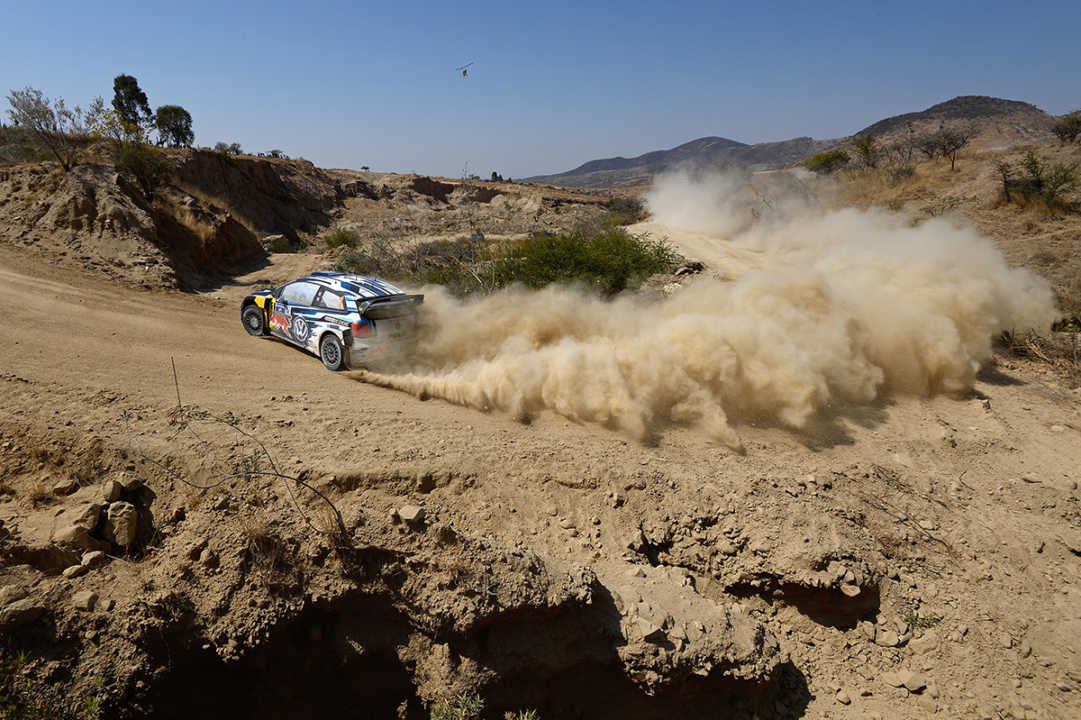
288	317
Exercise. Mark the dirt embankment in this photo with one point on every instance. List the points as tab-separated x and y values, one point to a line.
207	218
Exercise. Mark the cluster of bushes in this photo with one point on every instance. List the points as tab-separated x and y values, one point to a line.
624	211
607	260
1068	129
1037	180
827	162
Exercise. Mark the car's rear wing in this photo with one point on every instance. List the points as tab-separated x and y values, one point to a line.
389	306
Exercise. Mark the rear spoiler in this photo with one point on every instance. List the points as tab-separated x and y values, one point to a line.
389	306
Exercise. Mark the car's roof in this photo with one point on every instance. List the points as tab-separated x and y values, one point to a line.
362	285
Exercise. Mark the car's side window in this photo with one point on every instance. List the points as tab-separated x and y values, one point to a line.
332	300
300	293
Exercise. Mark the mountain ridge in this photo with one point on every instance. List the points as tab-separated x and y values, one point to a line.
1007	122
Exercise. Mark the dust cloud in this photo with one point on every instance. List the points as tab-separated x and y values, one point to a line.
843	307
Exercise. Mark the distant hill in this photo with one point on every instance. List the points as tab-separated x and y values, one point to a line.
999	123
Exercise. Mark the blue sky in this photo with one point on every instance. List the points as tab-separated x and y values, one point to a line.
554	84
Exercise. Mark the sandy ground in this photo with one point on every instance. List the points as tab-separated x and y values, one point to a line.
962	510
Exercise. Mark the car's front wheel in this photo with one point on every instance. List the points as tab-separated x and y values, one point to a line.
252	317
331	352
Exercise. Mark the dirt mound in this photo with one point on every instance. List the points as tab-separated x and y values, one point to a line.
207	219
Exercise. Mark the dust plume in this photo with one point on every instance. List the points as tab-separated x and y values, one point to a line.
842	307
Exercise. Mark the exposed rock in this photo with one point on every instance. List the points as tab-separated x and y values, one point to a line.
11	593
843	698
20	613
85	600
77	536
66	486
112	491
121	523
88	516
129	482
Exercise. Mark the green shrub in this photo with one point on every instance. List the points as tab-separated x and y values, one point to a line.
1041	180
144	165
342	236
827	162
624	211
608	260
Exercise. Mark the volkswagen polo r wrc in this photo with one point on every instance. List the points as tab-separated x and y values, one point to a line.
347	320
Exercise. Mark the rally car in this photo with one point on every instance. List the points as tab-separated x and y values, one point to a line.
347	320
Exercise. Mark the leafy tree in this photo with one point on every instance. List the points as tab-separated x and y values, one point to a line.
867	149
52	123
173	124
130	101
496	177
825	163
229	149
143	164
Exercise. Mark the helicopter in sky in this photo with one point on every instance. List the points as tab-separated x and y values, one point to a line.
464	69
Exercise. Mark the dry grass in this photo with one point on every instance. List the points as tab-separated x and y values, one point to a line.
1061	351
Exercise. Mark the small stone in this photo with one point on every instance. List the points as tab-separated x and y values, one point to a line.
850	590
110	604
1064	686
843	698
209	559
75	571
868	630
912	681
94	559
1006	641
412	514
925	643
394	517
85	600
566	523
887	638
927	524
112	491
636	572
893	679
66	486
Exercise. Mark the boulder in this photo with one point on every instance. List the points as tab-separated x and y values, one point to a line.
412	514
75	571
20	612
76	536
88	516
121	523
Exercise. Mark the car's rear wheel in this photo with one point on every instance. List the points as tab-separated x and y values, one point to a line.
252	317
331	352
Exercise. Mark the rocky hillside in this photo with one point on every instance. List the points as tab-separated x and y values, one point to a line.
998	123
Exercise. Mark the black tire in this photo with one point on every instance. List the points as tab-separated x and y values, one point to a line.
331	352
252	319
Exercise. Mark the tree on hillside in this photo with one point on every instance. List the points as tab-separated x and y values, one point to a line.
58	128
228	148
1068	128
825	163
950	143
173	124
867	149
130	101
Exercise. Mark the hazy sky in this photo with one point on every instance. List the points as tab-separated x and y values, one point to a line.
554	84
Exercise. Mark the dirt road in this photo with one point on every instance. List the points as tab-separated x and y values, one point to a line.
958	518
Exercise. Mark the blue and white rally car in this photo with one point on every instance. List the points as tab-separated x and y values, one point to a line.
347	320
